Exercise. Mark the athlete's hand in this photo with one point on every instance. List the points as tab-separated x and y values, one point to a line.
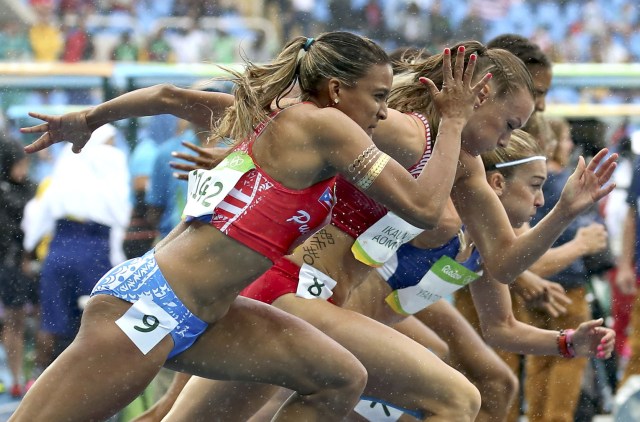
71	127
456	98
593	340
204	158
586	185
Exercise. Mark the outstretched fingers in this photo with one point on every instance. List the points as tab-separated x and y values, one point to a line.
433	89
481	83
606	168
459	71
43	142
606	344
597	159
447	73
193	147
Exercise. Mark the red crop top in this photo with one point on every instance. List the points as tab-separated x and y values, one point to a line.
268	217
354	211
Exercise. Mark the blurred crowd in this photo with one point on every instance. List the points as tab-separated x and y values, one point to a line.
137	30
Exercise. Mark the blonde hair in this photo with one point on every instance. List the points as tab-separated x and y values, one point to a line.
522	145
408	95
307	61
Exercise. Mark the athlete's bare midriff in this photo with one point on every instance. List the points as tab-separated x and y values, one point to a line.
207	269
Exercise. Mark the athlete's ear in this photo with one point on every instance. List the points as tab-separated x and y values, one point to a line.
483	96
334	91
496	181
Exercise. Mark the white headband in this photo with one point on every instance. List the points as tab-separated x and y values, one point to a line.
521	161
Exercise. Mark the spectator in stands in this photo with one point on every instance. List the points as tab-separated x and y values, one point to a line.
224	48
373	20
260	50
166	195
126	49
141	234
552	384
191	44
628	277
74	7
14	43
86	208
158	48
615	212
78	43
412	30
18	281
45	37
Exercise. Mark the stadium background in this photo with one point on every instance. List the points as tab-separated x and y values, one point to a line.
59	55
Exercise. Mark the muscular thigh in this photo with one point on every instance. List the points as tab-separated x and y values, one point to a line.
398	368
258	342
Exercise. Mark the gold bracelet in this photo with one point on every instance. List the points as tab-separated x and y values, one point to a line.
373	157
360	158
373	172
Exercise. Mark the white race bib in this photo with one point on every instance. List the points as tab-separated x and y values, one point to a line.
380	241
314	284
146	324
445	277
207	188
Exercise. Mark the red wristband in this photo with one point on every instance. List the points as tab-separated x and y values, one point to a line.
564	349
570	347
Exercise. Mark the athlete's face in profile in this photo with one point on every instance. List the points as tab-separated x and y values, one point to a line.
521	194
366	101
493	122
541	82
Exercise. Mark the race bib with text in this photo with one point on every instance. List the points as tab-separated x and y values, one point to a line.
207	188
445	277
379	242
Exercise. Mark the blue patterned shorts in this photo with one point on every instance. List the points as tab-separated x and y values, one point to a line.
139	277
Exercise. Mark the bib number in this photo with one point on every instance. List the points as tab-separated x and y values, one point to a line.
379	242
146	324
445	277
207	188
314	284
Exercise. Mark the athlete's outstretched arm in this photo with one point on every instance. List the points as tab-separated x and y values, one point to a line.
501	329
507	255
198	107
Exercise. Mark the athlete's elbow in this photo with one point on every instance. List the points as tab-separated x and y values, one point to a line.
428	215
424	220
164	94
495	336
498	271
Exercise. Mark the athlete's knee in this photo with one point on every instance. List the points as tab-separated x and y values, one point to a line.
498	390
342	391
461	402
351	378
471	401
